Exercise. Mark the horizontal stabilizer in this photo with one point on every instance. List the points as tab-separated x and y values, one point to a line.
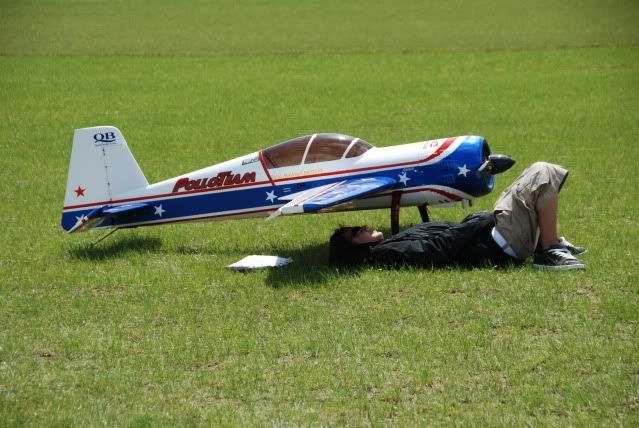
122	209
107	216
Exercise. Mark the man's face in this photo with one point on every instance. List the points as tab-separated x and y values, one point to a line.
362	235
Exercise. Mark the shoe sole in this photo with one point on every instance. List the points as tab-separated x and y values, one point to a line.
560	267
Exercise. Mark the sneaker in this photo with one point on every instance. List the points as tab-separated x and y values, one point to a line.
557	258
574	250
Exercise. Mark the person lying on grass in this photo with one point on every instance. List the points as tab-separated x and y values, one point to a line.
522	224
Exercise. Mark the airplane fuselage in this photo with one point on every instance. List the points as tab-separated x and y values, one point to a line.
429	173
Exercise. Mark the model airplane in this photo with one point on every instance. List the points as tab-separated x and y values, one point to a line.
312	174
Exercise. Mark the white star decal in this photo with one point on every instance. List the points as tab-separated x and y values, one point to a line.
81	219
403	178
159	210
270	196
463	170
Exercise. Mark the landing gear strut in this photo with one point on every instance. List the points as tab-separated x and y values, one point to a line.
396	197
423	211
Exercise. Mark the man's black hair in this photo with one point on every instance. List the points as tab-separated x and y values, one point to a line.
343	252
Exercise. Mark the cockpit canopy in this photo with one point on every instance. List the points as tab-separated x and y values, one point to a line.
314	148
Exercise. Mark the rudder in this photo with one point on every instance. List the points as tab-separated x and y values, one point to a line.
101	167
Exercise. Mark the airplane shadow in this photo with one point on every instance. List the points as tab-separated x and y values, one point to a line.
309	268
116	248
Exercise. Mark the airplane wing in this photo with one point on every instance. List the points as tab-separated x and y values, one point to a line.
328	195
102	215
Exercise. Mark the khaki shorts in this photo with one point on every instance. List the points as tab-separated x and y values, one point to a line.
516	208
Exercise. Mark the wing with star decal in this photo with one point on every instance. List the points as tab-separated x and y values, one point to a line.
108	215
332	194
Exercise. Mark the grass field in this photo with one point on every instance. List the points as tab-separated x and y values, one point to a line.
150	329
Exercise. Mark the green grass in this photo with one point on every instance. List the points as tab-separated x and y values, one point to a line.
149	328
257	27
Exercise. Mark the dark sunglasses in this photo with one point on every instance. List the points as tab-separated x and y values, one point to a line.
355	230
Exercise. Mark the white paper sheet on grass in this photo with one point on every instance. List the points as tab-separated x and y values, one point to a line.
258	262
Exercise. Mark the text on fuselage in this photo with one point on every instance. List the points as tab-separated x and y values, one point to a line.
222	179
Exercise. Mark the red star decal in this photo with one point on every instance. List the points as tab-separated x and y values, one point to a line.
79	192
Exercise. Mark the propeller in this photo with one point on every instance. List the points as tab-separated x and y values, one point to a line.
497	164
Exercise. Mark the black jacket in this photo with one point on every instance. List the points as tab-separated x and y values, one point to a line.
438	244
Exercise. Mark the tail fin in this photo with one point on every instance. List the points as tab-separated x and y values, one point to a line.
102	167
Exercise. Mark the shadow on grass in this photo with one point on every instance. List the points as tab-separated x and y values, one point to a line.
310	268
116	248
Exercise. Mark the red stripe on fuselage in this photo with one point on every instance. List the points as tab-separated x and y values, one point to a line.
164	195
441	149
